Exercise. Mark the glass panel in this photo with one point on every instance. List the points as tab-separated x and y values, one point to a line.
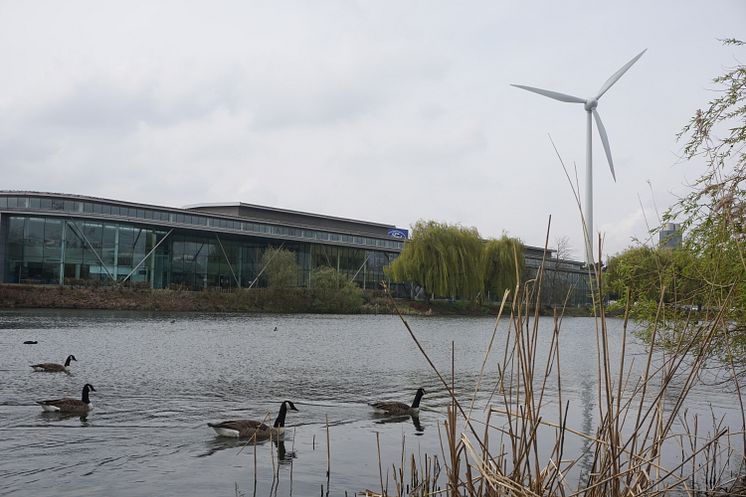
126	241
16	227
52	240
73	247
34	239
58	204
108	250
34	203
3	202
94	233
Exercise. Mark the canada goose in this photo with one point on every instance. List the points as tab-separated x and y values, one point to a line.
30	342
51	367
248	427
69	405
399	408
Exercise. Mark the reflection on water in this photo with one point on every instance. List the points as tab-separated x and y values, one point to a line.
161	377
283	455
57	416
587	401
415	420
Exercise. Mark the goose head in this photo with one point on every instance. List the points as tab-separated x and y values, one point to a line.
70	358
280	421
87	388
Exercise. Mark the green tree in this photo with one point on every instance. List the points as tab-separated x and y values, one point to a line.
453	261
644	271
280	268
333	292
714	213
499	260
443	259
710	269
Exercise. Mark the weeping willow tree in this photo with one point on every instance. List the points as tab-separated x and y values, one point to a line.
499	260
451	260
443	259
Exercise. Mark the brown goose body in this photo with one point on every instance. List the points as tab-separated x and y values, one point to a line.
69	405
393	408
242	428
52	367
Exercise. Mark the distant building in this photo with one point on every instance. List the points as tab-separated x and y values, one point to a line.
670	236
52	238
58	239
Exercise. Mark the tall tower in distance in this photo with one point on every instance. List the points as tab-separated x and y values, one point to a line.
670	236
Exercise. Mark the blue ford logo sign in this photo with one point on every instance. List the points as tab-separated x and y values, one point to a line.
398	233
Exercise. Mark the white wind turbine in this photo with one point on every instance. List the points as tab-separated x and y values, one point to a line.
590	105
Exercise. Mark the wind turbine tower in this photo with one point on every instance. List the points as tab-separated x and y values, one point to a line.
590	105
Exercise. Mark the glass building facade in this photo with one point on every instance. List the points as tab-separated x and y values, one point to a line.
60	239
48	238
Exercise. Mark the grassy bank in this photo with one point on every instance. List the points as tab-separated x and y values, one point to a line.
264	300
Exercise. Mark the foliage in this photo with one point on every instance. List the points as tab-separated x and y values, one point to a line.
499	259
453	261
281	268
333	292
645	271
714	212
710	269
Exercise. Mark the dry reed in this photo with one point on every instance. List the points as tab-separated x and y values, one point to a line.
623	456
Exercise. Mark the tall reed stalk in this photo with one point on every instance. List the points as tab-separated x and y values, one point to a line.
507	454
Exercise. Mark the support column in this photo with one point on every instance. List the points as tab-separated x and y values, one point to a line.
3	246
116	254
63	245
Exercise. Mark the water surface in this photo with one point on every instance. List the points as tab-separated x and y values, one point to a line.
160	378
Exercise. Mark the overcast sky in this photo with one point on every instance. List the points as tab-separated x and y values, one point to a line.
375	110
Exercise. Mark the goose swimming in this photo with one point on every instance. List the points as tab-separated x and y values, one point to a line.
69	405
392	408
240	428
51	367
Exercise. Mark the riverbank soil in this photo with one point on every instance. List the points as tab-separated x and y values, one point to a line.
264	300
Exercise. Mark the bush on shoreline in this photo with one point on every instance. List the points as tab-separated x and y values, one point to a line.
260	300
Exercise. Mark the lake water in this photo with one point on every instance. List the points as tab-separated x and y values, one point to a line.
160	378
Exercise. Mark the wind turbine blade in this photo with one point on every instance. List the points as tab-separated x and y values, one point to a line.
605	141
552	94
615	77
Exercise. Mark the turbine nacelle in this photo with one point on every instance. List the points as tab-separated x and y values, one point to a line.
590	104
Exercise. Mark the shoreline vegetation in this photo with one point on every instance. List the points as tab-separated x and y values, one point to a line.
254	300
641	415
